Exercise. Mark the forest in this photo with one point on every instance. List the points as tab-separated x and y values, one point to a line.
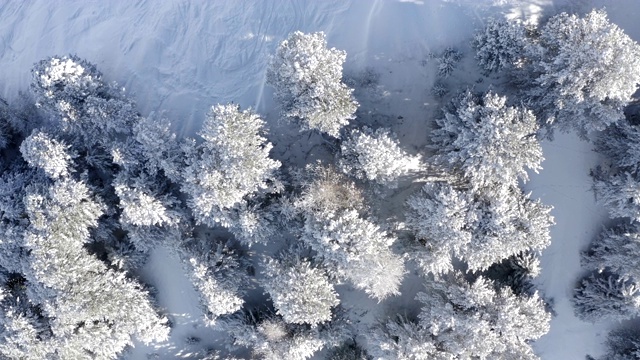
280	248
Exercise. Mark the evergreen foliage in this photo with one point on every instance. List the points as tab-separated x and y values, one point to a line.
462	320
477	229
96	187
94	310
375	156
612	292
606	296
500	45
232	163
447	62
616	249
301	292
307	77
487	142
218	273
357	250
623	344
620	143
584	70
42	151
271	338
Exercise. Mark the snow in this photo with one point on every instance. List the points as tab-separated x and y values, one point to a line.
179	301
565	183
182	56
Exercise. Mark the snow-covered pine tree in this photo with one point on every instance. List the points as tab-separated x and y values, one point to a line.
218	273
307	77
507	225
271	338
8	124
623	344
63	83
20	338
149	215
375	156
480	230
474	320
606	296
24	332
617	185
487	142
110	140
301	292
92	113
348	351
620	143
142	209
252	222
94	310
462	320
232	163
517	272
447	62
72	90
13	184
440	218
43	151
403	339
618	191
357	250
584	71
350	246
500	44
616	250
160	147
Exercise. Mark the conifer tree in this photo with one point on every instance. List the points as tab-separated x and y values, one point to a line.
620	143
232	163
375	156
351	247
500	45
43	151
271	338
487	142
474	320
72	91
584	70
623	344
356	249
218	273
478	229
307	77
606	296
301	292
616	250
94	310
462	320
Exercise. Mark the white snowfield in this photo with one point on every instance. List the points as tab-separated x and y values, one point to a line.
182	56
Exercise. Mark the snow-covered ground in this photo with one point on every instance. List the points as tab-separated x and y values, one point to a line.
565	183
182	56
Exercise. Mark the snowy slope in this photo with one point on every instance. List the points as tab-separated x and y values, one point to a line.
182	56
565	183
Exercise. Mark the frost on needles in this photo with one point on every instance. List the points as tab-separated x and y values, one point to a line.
307	77
575	72
90	188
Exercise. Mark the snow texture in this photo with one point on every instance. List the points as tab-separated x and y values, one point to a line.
180	57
